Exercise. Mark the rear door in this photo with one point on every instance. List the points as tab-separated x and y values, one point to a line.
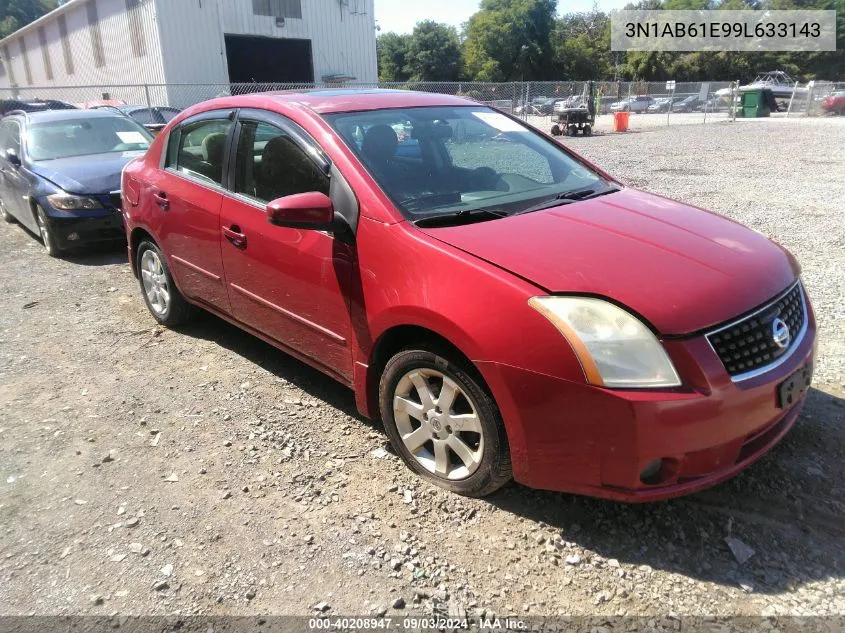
188	193
290	284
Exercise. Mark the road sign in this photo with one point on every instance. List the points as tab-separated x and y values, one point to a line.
670	85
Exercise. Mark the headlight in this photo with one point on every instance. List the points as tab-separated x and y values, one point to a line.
69	202
615	348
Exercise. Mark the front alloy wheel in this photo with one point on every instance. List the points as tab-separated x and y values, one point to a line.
44	228
443	423
438	423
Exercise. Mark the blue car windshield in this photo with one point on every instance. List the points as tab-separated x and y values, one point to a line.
439	160
64	138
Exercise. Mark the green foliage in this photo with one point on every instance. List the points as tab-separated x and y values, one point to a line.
18	13
433	53
510	40
391	50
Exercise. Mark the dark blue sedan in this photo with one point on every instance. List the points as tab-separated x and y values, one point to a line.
60	173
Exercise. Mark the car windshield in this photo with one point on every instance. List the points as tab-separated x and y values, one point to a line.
442	160
63	138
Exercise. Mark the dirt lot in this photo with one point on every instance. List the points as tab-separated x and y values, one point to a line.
201	471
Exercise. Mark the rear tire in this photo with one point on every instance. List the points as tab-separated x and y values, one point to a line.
588	131
163	299
556	131
442	421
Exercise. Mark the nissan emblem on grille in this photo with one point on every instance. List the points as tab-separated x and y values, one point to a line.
780	333
758	340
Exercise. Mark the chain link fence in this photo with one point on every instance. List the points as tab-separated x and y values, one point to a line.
651	104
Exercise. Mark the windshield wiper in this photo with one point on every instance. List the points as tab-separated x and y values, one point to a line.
568	197
464	216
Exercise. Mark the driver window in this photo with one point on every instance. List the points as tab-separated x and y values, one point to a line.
10	137
271	165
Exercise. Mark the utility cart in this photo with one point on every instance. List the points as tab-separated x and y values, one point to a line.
580	117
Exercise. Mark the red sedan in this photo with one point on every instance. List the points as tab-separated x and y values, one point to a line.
835	103
506	308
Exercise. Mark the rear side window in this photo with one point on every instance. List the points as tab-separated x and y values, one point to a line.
270	164
199	150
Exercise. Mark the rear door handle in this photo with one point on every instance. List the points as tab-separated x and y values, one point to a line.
234	235
162	201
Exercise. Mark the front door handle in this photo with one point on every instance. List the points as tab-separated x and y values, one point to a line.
162	201
234	235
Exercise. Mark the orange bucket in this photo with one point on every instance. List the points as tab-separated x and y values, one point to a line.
620	121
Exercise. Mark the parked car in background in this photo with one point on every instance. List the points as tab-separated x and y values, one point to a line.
661	104
294	217
538	106
632	104
154	118
60	173
835	103
35	105
691	103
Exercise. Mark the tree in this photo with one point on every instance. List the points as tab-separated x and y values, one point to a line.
581	46
434	53
510	40
19	13
391	50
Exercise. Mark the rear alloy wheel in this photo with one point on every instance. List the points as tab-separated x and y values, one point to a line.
163	299
443	423
46	232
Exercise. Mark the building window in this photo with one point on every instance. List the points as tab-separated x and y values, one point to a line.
26	69
45	52
278	8
67	53
96	36
136	29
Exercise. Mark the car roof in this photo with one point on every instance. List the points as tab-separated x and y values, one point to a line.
60	115
327	101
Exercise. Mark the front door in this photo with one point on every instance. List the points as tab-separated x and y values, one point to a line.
189	194
290	284
13	184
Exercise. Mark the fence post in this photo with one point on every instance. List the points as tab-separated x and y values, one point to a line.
149	104
734	85
791	99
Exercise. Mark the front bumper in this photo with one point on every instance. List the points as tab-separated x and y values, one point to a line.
573	437
74	230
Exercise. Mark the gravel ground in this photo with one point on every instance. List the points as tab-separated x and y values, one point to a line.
151	471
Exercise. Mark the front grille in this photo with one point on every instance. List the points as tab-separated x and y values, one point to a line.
748	344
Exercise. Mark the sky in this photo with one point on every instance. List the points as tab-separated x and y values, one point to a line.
400	16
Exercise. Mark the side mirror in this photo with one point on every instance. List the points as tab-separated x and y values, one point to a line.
13	158
312	210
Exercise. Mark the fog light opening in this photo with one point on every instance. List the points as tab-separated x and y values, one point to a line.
73	237
650	475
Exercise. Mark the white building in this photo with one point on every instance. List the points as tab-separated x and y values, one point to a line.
116	43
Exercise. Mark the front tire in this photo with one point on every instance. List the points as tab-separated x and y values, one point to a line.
47	237
163	299
443	423
4	213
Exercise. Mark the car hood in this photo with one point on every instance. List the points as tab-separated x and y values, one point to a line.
682	268
96	173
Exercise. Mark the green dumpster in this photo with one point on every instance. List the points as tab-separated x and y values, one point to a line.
754	104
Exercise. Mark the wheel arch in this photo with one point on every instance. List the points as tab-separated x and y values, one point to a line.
138	235
401	336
